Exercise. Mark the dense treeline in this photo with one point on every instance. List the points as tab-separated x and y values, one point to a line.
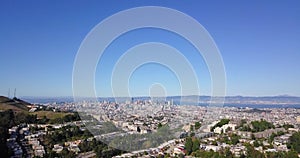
191	145
256	126
220	124
259	126
294	142
5	123
66	133
9	119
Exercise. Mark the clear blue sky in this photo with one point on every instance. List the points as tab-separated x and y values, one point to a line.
258	40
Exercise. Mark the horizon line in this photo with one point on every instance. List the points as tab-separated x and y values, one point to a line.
159	96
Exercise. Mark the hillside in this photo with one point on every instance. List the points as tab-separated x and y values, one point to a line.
15	104
50	114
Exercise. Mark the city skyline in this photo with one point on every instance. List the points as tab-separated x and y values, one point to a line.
258	43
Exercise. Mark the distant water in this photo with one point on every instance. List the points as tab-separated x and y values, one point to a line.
45	100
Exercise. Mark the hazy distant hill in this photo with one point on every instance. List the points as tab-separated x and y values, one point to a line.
15	104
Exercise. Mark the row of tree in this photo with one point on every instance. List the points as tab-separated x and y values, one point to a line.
256	126
220	123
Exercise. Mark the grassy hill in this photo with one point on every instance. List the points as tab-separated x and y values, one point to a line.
50	114
18	105
15	104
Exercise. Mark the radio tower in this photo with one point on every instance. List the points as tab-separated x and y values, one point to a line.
15	92
8	95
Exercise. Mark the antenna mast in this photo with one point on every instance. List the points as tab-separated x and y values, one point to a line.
15	92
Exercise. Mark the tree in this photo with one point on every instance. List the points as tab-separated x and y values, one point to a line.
196	145
235	139
253	137
159	125
259	126
51	154
228	153
211	153
252	153
192	134
220	124
243	121
287	126
294	142
191	128
292	154
242	155
67	154
197	125
188	145
256	143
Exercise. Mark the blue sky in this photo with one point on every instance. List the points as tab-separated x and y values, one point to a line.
259	43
